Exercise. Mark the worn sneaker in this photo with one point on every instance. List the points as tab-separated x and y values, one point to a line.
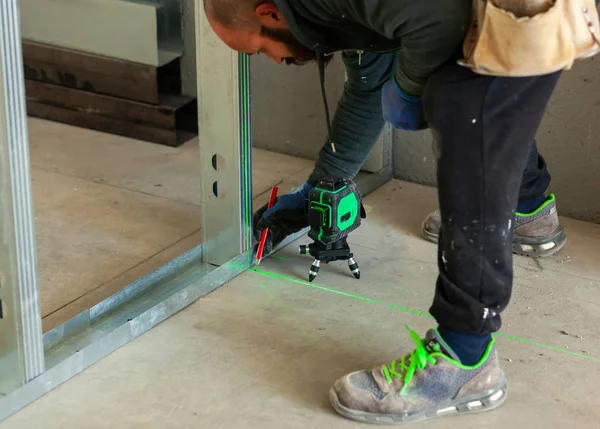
428	383
537	234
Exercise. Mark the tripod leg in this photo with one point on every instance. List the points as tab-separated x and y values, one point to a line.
354	267
314	270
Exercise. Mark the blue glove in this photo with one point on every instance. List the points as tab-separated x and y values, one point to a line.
288	215
403	111
295	200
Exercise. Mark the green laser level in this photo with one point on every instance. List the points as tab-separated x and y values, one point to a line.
334	210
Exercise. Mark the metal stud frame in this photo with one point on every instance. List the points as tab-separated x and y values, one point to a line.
21	353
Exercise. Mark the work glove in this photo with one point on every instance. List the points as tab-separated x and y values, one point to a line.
403	111
287	216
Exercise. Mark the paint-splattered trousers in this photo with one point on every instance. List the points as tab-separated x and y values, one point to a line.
484	128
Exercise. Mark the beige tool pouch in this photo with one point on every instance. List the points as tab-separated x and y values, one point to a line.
530	37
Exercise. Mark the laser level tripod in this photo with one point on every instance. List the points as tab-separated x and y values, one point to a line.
334	210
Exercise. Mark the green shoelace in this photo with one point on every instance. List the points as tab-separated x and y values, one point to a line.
409	364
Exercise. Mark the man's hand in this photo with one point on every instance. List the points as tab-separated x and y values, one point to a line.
403	111
288	215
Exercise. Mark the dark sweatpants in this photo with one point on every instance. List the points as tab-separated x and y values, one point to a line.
484	128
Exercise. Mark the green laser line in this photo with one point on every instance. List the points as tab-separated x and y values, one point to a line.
420	313
314	286
267	291
546	346
245	136
278	257
411	311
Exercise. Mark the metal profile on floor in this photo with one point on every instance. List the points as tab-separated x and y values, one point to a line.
226	181
99	331
93	334
187	270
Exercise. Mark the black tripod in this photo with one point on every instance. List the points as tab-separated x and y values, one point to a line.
336	252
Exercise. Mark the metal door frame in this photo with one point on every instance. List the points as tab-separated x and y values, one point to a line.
41	362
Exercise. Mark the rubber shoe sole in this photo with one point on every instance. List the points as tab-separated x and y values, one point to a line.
524	246
429	236
540	247
477	403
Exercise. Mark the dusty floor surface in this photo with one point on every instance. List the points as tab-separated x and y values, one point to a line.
263	350
109	209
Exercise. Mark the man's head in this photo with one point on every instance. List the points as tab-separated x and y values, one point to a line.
256	26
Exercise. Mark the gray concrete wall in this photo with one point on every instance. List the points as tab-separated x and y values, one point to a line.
142	32
287	109
569	139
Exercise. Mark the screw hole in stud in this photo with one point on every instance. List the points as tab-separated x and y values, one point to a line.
218	190
218	162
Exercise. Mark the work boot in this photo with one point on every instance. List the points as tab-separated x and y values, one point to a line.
428	383
537	234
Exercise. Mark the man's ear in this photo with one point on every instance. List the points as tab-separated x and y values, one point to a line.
269	15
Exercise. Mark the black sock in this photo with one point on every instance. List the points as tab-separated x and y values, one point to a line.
468	347
528	206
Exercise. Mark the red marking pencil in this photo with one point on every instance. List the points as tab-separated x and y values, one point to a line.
263	235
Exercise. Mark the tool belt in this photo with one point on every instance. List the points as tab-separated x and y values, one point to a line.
530	37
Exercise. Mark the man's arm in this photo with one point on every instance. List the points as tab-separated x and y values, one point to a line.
358	120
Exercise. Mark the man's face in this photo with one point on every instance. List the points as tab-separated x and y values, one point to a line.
298	54
274	39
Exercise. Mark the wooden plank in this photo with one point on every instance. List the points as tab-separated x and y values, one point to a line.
160	115
89	72
168	137
171	123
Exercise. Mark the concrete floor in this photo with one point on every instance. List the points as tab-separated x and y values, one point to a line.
263	350
109	209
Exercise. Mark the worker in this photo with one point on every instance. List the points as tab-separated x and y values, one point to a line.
401	62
